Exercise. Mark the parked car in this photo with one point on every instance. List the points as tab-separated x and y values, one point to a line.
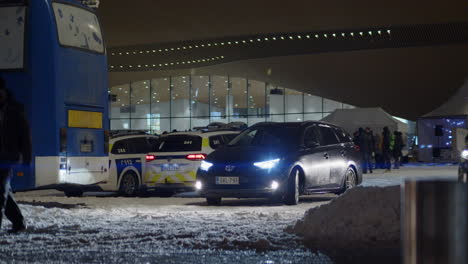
281	161
463	168
176	157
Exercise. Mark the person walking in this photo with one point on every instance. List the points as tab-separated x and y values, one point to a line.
15	148
386	149
365	147
372	144
397	148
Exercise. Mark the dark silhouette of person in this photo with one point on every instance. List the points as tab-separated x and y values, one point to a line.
397	149
386	149
372	143
365	146
15	148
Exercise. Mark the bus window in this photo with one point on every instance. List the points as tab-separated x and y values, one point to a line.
78	28
12	21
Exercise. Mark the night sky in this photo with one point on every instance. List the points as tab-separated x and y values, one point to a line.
407	82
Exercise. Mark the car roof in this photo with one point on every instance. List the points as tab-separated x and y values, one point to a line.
293	124
120	137
203	133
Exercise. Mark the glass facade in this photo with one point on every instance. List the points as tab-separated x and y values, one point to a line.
184	102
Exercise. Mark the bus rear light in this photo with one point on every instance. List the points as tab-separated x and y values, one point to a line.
196	157
20	174
150	158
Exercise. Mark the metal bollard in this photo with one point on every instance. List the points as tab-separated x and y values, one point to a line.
435	222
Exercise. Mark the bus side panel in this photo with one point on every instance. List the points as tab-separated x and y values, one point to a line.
33	86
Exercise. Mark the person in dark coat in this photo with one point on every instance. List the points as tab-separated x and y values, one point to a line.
386	149
372	143
364	142
397	148
15	148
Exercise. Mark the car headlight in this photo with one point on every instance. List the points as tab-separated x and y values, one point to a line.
198	185
205	165
269	164
464	154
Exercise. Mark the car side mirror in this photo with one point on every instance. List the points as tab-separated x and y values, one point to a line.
311	144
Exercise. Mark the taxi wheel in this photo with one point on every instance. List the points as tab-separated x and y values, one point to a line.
128	185
213	200
292	191
350	180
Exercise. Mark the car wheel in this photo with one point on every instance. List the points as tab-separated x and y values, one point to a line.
350	180
292	192
213	200
128	185
74	193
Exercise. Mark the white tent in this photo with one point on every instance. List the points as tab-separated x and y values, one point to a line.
457	105
375	118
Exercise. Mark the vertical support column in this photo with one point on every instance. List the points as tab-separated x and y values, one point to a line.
209	98
190	101
130	107
229	103
284	105
247	87
265	103
170	103
303	107
150	105
323	108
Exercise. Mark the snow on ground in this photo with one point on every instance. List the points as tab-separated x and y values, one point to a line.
362	217
101	228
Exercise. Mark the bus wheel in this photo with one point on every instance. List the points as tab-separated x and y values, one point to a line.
74	193
128	185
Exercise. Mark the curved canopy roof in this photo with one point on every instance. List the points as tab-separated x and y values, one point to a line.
407	80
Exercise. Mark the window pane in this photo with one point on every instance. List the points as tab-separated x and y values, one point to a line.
120	101
180	124
239	96
86	33
139	98
200	102
331	105
275	103
294	117
200	122
160	97
255	120
312	117
141	124
256	98
312	103
218	100
165	125
328	136
119	124
180	105
12	45
293	101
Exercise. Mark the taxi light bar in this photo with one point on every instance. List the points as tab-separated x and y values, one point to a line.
195	157
150	158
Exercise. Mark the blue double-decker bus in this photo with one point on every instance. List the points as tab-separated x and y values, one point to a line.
53	58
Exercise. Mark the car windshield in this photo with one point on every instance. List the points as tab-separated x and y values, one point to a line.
266	136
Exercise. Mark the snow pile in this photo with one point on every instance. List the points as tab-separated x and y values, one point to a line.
362	217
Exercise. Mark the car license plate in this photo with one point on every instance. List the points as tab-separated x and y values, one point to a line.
170	167
227	180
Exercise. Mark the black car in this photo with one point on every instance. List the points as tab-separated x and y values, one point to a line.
463	168
281	161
